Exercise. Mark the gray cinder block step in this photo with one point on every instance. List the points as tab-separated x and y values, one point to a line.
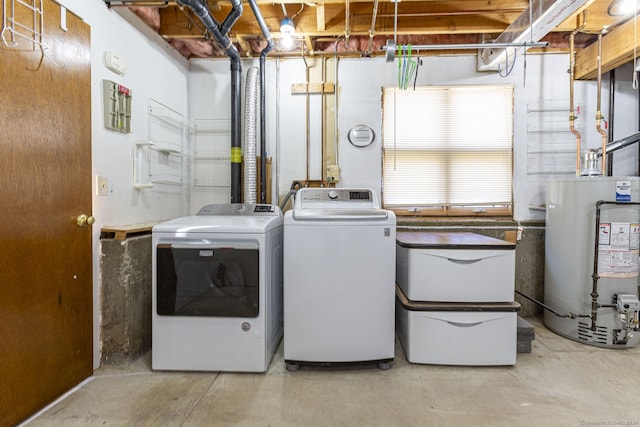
526	334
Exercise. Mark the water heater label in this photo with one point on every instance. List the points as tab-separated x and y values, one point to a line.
623	191
618	249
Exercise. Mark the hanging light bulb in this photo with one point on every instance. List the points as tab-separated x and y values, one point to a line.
621	7
287	29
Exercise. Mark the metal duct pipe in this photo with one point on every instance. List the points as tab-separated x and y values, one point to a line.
599	116
250	131
621	143
202	11
540	18
263	106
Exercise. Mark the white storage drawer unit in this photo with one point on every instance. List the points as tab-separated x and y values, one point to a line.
455	267
480	334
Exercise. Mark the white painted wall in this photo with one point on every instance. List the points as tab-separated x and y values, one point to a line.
155	71
360	80
200	90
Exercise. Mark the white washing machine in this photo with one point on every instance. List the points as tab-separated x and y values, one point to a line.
339	278
217	289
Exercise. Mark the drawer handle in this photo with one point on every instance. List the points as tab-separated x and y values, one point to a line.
464	325
464	261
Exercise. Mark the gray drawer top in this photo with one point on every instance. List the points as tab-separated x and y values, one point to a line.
450	240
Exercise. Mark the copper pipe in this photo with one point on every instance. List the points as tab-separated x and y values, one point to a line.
373	27
599	116
307	107
347	25
572	114
323	114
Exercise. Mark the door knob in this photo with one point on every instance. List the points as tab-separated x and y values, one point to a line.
84	220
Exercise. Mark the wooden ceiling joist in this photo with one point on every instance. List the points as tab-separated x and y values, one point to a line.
617	49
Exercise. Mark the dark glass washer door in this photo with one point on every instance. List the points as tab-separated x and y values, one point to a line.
218	282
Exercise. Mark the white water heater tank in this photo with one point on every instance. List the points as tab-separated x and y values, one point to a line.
570	248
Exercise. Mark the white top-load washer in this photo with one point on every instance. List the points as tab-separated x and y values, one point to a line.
217	289
339	278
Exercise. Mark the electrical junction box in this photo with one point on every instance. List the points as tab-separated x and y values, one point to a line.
333	173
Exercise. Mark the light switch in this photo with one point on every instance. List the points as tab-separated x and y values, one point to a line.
102	186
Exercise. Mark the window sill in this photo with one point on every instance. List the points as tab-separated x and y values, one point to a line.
443	222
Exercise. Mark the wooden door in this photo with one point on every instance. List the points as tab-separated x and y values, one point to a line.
45	177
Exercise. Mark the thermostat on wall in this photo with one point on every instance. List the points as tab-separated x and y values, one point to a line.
361	135
114	63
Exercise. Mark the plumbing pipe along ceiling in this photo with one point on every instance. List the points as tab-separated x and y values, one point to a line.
362	27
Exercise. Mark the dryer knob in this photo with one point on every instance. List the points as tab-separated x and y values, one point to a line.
333	194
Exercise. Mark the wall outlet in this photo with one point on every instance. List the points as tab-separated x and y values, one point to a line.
333	173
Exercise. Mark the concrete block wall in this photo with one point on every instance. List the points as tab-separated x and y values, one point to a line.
126	272
125	269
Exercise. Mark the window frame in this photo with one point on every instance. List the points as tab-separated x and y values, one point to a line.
498	210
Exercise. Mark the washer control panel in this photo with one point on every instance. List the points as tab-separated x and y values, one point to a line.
336	198
241	209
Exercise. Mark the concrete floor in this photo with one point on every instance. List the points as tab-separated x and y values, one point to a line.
560	383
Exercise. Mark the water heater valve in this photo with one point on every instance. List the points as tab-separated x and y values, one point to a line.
627	302
628	307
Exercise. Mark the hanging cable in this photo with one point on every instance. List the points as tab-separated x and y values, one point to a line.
508	68
415	78
524	66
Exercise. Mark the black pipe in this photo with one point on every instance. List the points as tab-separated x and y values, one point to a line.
263	105
595	277
232	17
236	130
202	11
612	99
546	307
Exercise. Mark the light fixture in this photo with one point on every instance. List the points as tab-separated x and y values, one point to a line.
287	29
621	7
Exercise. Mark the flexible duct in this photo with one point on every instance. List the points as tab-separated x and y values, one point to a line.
263	106
250	135
200	8
599	116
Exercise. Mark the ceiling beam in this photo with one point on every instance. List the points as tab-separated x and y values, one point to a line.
320	23
617	49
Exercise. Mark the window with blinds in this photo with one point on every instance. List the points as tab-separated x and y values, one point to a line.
448	151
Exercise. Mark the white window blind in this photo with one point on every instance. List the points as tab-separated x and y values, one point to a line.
448	150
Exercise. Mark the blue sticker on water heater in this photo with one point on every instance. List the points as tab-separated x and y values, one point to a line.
623	191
